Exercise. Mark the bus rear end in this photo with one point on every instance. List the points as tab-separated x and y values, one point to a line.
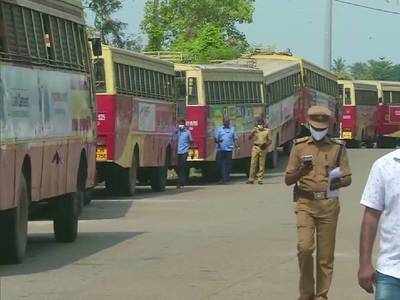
348	121
106	113
388	114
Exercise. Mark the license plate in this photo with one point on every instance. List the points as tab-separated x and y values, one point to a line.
101	154
193	154
347	135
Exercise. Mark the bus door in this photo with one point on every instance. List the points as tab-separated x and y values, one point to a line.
349	114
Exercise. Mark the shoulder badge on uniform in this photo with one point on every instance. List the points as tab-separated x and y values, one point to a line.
301	140
338	141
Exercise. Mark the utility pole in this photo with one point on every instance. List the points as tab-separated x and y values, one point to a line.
328	35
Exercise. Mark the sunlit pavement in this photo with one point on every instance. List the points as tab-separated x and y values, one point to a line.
204	242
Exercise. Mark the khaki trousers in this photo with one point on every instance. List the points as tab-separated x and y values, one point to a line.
316	228
257	166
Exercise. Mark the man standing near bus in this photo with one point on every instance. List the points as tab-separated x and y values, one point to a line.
185	141
226	139
261	140
318	166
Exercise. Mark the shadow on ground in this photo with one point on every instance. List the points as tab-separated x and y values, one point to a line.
45	254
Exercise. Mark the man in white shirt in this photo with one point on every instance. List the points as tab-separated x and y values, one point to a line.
381	199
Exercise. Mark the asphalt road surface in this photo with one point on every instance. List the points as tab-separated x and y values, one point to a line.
206	242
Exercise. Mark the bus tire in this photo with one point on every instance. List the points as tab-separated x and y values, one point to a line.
158	179
287	147
14	228
210	172
131	176
66	218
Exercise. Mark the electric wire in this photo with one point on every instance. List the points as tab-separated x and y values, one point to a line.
368	7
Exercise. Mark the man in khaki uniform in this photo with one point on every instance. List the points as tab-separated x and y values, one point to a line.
261	141
314	162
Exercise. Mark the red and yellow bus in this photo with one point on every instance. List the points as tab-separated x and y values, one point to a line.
216	91
359	118
292	85
388	114
136	120
47	126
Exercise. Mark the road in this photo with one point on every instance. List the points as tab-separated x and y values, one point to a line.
206	242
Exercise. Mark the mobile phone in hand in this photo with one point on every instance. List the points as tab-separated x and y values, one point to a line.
307	160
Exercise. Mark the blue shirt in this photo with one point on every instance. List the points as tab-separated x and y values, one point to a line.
226	138
184	141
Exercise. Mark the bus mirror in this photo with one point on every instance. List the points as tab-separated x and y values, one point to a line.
96	47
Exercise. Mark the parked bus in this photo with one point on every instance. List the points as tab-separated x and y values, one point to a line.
136	120
388	114
292	85
359	113
214	92
47	128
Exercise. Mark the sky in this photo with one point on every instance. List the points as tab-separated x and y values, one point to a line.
300	25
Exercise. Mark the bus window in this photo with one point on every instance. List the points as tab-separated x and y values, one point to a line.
192	91
386	97
396	97
366	97
180	86
340	91
347	96
99	75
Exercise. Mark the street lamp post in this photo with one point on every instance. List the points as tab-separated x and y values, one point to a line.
328	35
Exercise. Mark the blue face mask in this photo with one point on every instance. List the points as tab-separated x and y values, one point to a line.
318	135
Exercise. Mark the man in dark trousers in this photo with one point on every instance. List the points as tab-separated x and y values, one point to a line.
226	139
185	141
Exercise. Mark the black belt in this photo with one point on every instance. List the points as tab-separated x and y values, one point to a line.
315	196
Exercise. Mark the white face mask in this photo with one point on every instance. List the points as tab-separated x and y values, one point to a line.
181	127
318	135
260	126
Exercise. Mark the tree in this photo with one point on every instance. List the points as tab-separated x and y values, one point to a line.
340	68
209	44
112	30
382	69
172	24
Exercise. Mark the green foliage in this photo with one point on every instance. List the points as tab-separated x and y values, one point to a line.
208	45
340	68
112	30
174	24
382	69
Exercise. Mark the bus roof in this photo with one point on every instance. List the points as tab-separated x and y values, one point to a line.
131	58
389	85
368	85
271	63
222	72
71	10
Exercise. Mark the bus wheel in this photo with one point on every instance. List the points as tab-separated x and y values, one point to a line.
210	172
66	218
131	176
14	228
158	180
287	147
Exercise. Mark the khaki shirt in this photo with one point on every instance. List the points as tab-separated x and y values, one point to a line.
261	136
324	160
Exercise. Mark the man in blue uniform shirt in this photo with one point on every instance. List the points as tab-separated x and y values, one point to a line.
226	139
185	141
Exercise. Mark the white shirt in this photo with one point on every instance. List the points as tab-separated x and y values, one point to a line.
382	192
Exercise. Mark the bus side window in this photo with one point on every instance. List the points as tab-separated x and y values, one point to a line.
99	75
340	91
192	91
347	96
386	97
